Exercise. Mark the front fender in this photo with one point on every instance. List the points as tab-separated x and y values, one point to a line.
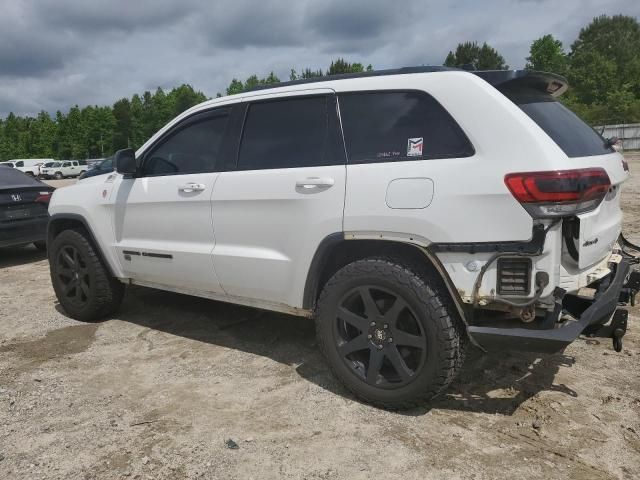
84	203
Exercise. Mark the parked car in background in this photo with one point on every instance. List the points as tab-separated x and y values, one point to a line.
105	166
47	164
63	169
23	209
29	166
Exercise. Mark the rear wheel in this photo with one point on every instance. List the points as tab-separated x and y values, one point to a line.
59	176
388	334
82	283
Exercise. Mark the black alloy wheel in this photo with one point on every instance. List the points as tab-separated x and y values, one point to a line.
73	275
379	337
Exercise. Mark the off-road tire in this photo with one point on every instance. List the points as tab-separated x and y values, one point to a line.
105	292
445	334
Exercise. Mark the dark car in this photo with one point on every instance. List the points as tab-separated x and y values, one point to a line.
24	201
105	166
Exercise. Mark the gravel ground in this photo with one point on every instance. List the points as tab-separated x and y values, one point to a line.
157	391
61	183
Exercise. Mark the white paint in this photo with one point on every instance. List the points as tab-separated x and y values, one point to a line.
409	193
260	229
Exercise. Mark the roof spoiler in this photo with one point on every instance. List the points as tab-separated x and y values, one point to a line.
551	83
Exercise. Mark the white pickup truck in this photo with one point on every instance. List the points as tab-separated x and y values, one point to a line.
59	170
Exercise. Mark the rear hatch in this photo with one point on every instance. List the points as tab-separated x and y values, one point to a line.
590	236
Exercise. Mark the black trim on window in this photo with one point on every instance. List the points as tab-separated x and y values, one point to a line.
228	157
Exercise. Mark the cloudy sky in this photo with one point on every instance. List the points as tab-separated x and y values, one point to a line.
57	53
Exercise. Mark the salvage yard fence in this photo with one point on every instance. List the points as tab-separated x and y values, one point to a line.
628	133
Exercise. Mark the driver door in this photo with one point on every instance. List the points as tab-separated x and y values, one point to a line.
162	218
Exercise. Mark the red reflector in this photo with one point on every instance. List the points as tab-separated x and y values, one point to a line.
584	189
625	165
43	197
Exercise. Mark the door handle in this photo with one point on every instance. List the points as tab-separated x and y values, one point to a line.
311	182
192	187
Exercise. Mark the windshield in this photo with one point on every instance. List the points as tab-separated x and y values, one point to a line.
571	134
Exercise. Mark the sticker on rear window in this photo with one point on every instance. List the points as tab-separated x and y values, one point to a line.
414	147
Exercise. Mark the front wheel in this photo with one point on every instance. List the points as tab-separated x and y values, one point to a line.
83	285
388	333
59	176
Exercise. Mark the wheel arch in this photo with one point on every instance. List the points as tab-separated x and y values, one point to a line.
66	221
335	251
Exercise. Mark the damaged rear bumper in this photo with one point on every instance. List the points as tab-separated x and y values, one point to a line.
551	340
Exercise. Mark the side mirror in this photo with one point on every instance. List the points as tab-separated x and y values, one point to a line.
125	162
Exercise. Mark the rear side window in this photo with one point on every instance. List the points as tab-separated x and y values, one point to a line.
394	126
285	134
571	134
193	148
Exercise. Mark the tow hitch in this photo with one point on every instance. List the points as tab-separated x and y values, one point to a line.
631	289
618	325
615	330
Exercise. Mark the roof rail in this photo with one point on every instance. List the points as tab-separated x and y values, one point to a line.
553	83
345	76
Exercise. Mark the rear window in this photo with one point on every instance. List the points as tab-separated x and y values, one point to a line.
571	134
285	133
396	126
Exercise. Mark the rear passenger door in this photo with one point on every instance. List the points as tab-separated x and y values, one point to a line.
281	198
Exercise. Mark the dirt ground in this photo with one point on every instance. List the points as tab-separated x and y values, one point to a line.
157	391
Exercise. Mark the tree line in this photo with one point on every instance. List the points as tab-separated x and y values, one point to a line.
602	66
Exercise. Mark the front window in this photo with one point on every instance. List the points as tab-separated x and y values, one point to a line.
192	148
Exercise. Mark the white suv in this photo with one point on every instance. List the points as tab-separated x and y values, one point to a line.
62	169
410	212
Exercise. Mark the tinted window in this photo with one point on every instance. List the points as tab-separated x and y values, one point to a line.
285	134
191	149
106	165
571	134
389	126
19	164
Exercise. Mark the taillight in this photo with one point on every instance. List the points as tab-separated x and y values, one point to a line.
559	193
44	197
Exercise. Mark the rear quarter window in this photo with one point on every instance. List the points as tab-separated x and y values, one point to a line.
399	125
566	129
